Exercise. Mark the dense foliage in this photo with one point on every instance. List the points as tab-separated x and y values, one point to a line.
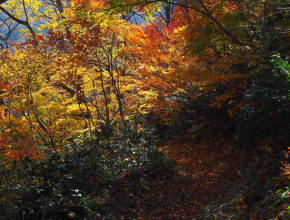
89	89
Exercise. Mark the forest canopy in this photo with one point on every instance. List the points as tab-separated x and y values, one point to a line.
90	90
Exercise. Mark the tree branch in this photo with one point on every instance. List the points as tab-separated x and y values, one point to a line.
3	1
205	12
19	21
218	23
208	14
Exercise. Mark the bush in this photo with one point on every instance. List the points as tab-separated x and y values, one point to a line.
75	184
264	117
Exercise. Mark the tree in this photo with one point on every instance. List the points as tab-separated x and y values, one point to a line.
33	16
73	82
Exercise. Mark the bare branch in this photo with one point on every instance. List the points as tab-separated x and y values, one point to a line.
19	21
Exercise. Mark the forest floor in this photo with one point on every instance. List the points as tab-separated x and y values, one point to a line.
205	180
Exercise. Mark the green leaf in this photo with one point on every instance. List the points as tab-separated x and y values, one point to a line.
2	158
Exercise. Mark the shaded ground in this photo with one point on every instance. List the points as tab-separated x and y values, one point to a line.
203	174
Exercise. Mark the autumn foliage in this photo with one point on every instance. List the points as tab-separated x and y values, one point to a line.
118	73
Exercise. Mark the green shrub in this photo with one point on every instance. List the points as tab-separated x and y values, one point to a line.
75	184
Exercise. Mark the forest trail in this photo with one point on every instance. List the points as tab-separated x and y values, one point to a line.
203	175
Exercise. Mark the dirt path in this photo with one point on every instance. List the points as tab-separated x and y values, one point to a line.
203	174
